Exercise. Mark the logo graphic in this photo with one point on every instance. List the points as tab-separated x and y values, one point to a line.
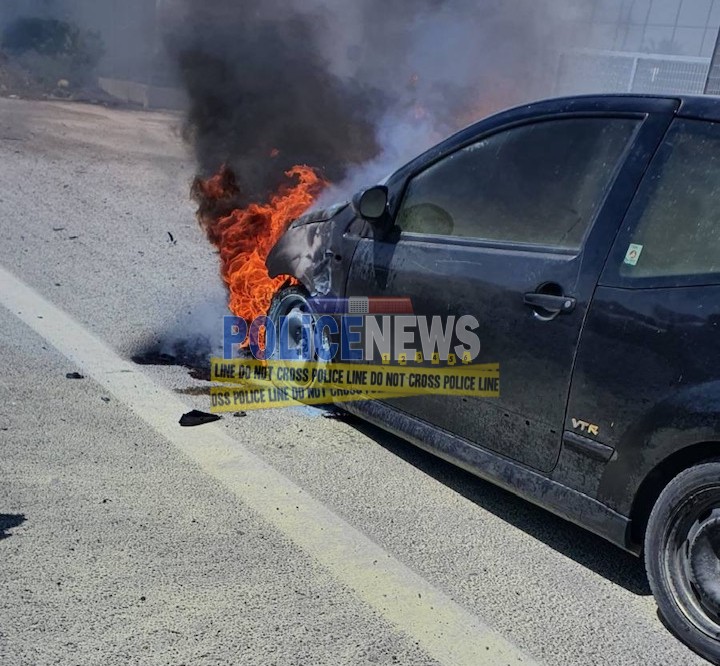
346	350
584	426
355	330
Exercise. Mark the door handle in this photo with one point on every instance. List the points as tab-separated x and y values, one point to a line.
548	306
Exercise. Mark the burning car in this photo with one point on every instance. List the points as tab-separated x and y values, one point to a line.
584	235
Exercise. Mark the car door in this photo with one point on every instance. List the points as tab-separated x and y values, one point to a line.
656	315
513	227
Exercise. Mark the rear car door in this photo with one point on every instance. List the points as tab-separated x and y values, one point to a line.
655	387
513	227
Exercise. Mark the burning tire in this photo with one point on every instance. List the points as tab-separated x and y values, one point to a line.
682	555
289	312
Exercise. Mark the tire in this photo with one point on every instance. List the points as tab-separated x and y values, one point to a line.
682	557
290	302
286	302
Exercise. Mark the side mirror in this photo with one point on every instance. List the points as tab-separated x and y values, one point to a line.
372	204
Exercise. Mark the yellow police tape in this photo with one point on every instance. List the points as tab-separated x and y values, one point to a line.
271	384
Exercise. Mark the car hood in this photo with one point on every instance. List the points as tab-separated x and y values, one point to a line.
320	215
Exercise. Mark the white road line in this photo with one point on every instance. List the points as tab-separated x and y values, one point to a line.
445	630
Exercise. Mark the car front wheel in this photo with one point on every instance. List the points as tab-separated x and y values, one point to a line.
682	556
290	311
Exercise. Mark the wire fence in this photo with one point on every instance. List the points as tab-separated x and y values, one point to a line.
584	72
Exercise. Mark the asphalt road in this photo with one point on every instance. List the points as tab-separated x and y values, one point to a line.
282	537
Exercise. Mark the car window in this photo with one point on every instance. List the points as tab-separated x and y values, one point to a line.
678	208
540	184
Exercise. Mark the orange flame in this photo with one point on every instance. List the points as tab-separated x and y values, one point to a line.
245	236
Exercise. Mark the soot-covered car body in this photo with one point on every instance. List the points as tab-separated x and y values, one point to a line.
584	235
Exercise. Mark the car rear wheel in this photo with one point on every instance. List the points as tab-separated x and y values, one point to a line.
682	556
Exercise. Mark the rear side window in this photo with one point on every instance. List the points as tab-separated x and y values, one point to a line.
538	184
675	220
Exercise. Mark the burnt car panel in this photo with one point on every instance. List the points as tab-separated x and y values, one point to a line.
317	250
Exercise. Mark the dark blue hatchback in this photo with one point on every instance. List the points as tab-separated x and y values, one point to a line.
584	235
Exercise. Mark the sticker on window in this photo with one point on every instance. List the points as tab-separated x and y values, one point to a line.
633	254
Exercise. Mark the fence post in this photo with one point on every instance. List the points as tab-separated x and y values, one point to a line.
712	87
633	74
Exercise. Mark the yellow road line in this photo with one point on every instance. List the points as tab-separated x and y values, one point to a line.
444	629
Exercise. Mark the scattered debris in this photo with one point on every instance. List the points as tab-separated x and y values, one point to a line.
58	228
240	415
194	390
172	238
74	375
73	237
105	399
201	374
336	415
155	358
9	522
196	418
194	355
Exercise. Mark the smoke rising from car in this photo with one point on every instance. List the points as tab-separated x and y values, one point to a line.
352	87
189	337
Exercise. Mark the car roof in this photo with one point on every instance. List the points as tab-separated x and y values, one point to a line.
704	107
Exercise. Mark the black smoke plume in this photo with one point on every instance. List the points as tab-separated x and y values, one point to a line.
337	84
262	97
